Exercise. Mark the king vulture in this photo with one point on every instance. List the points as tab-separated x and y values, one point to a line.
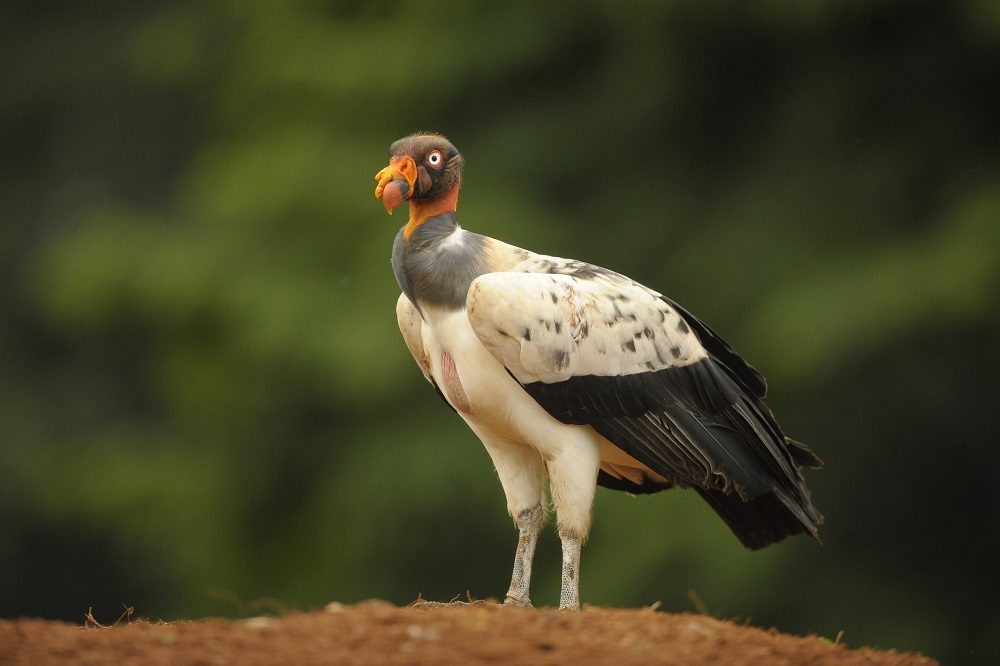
576	374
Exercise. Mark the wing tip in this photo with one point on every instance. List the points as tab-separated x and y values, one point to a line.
802	454
766	519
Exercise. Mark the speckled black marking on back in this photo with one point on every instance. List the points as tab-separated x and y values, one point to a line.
735	365
585	271
559	359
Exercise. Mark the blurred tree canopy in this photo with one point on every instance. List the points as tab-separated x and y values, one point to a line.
204	400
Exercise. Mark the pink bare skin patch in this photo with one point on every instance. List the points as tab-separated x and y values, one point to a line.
453	385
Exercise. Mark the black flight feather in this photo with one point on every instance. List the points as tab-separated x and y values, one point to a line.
735	365
702	426
647	486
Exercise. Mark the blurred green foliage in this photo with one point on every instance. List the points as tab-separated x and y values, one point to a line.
204	399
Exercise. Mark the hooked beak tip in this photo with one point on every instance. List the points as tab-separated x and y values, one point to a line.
394	193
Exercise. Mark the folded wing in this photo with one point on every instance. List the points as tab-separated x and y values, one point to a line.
593	347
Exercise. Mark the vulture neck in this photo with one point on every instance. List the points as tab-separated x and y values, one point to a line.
436	265
421	211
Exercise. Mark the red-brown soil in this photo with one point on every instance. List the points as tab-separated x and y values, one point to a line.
376	632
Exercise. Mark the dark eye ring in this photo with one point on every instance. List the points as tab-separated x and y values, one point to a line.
434	159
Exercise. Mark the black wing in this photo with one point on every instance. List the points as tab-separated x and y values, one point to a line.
697	427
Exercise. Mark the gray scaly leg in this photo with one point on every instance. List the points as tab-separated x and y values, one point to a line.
569	594
529	524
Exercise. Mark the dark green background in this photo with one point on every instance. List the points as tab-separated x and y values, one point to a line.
205	404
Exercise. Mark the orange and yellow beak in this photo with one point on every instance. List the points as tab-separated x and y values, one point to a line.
395	182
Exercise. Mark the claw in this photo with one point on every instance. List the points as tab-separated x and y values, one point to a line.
524	602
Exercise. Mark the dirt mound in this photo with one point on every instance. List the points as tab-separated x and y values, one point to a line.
377	632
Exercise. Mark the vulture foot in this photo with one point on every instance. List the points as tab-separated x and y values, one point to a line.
569	593
529	524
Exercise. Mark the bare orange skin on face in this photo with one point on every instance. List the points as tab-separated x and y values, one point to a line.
395	182
395	185
421	211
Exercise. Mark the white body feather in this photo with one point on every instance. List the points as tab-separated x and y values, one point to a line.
544	327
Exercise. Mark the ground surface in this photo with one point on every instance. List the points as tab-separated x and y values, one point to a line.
376	632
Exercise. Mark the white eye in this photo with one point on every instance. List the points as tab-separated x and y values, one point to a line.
434	159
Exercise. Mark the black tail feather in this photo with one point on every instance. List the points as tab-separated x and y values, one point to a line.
802	454
764	520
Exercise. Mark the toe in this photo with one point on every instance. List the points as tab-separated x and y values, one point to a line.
517	602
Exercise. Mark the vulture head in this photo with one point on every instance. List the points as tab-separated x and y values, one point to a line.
424	169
